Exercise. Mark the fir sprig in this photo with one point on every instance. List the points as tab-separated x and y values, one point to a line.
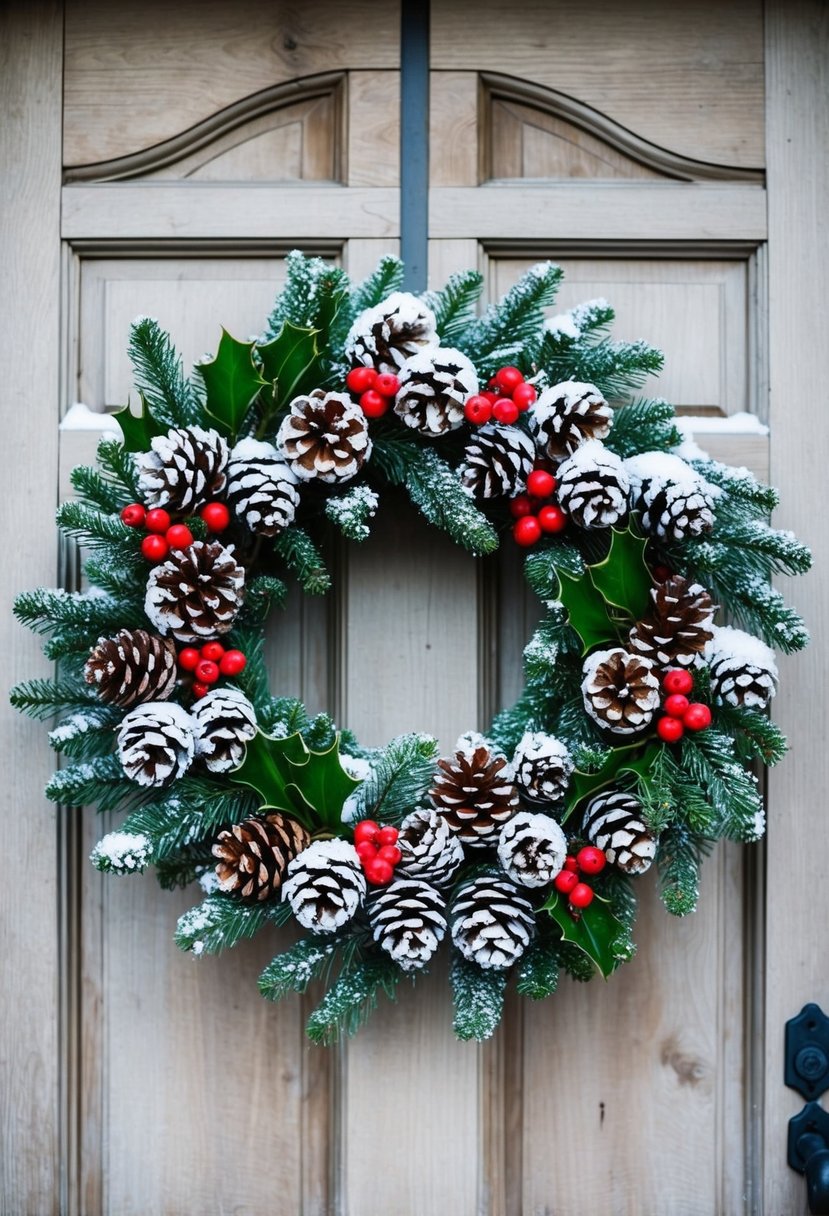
501	334
478	996
438	494
159	375
219	922
643	425
302	557
353	997
678	861
118	465
195	809
294	969
100	783
537	973
399	779
454	305
44	698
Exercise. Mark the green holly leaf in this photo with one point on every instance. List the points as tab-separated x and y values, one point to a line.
232	381
138	429
586	610
291	362
596	931
622	579
620	761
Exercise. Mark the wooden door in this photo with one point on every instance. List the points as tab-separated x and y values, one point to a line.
670	160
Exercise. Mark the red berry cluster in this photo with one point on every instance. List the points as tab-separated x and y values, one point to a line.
680	713
162	534
569	882
209	663
377	849
506	396
533	513
374	390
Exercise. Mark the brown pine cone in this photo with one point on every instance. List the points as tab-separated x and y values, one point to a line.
132	667
156	743
254	855
620	690
474	796
497	460
225	722
676	632
324	436
566	416
674	500
386	336
184	470
196	593
434	387
613	823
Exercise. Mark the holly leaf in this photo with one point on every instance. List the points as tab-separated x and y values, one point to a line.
586	610
621	760
265	770
291	362
323	784
138	429
622	579
232	381
596	931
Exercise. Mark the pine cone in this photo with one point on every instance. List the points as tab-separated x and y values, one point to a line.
156	743
184	470
492	922
324	436
543	766
430	849
196	593
434	387
613	822
408	921
261	488
325	885
593	486
254	855
132	667
743	670
385	336
474	796
566	416
676	632
620	691
225	721
532	849
497	460
674	500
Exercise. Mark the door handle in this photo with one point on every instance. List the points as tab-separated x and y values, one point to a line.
809	1154
807	1071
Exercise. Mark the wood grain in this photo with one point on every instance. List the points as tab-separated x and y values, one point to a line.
30	89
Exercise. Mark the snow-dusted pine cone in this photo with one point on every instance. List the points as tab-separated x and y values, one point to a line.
408	921
434	387
566	416
743	670
225	721
156	743
132	667
593	486
254	855
184	469
620	690
385	336
492	921
674	500
677	630
261	488
497	460
613	822
532	849
325	885
324	436
196	592
430	849
475	796
542	766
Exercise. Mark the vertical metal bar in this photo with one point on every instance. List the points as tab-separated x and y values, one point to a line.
414	142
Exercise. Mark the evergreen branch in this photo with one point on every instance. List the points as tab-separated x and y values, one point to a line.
644	425
351	1000
44	698
253	679
455	304
98	531
159	375
438	494
283	716
296	968
262	594
738	486
121	853
45	610
86	734
678	861
501	334
755	736
352	510
119	466
399	779
613	367
478	997
538	970
578	965
219	922
302	556
708	759
121	581
540	567
387	278
194	810
392	455
313	295
97	491
100	782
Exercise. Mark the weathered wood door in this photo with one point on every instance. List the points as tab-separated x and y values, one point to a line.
163	160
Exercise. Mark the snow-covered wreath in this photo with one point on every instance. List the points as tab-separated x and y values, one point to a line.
521	852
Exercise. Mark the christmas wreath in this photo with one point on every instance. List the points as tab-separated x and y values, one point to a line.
521	852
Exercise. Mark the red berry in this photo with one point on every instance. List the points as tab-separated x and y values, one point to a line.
540	483
213	651
508	379
154	547
378	872
157	520
591	860
366	829
232	663
524	395
526	531
570	863
670	730
492	395
520	506
661	573
478	410
216	516
179	536
552	519
188	659
697	716
565	881
133	515
199	690
676	704
361	378
387	835
207	672
504	410
372	404
389	853
366	850
386	384
581	895
678	680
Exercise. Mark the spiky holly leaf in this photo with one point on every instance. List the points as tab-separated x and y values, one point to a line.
596	931
291	363
622	579
619	761
138	429
232	381
586	610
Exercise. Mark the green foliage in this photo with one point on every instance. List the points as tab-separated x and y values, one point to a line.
678	860
44	698
123	582
455	304
350	1001
289	776
100	783
301	555
740	486
159	376
232	382
86	734
399	780
45	610
105	533
501	334
292	364
644	425
95	490
708	759
755	736
219	922
387	278
117	464
352	510
541	567
597	932
479	999
263	593
282	716
538	970
295	969
314	294
194	809
438	494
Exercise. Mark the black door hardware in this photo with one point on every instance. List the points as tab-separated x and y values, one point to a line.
807	1052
